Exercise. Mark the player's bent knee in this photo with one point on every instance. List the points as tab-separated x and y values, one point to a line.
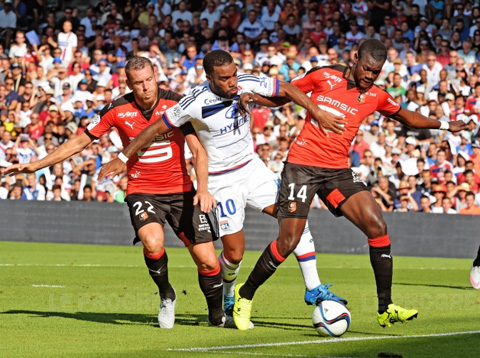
153	245
287	245
208	266
235	256
377	227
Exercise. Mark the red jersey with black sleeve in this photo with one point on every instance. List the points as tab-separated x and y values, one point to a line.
333	93
159	168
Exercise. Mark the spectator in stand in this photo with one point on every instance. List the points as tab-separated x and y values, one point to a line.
438	169
433	68
354	36
407	204
404	195
425	204
471	208
360	145
8	22
439	192
378	147
384	193
251	27
447	206
33	190
469	176
388	27
396	88
270	15
19	47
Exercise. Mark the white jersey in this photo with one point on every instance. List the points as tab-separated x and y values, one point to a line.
67	42
224	133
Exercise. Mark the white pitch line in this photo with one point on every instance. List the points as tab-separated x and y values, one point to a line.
193	266
48	286
271	354
333	340
262	354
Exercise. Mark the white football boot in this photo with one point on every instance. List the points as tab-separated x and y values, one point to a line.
475	277
166	312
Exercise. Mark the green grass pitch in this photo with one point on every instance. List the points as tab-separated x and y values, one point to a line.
65	300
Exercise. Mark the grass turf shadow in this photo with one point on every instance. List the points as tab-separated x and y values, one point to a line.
115	318
430	285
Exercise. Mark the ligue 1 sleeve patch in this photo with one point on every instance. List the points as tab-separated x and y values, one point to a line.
143	216
94	122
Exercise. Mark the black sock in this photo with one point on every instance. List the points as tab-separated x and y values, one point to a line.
158	270
382	263
212	288
265	267
477	260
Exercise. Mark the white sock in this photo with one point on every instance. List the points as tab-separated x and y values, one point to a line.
229	274
305	254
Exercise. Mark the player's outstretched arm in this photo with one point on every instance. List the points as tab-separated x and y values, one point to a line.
327	120
287	93
200	163
118	165
66	150
249	97
416	120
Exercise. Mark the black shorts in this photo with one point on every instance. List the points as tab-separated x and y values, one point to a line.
188	222
300	183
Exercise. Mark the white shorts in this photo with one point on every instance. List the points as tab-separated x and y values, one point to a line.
254	184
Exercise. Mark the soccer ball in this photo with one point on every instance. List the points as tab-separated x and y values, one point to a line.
331	318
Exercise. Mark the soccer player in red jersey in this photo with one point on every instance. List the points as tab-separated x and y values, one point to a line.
159	188
318	164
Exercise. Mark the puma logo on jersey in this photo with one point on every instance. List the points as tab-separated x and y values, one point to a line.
331	84
130	125
386	256
158	113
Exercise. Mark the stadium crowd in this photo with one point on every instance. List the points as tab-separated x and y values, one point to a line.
59	69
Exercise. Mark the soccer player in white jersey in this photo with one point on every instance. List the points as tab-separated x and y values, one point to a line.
236	176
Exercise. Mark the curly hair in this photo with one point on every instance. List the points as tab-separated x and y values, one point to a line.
216	58
373	48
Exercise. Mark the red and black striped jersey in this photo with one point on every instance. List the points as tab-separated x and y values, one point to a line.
334	93
158	168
